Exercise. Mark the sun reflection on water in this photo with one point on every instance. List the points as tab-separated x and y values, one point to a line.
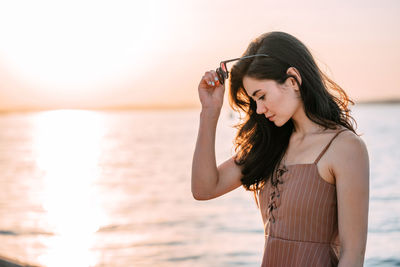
67	147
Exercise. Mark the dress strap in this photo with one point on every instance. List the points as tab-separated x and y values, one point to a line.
327	146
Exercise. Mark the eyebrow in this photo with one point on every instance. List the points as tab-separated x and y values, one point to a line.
255	92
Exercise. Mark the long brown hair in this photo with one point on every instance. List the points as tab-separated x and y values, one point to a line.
259	144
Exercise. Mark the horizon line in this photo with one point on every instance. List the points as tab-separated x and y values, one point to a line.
154	107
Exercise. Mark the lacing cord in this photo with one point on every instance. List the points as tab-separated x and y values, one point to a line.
275	180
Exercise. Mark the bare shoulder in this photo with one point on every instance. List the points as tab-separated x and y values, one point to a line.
349	151
349	142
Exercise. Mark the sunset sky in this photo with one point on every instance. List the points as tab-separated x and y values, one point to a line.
94	54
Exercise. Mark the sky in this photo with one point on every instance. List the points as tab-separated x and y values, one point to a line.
102	54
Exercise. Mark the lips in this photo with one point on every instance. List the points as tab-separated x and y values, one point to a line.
271	117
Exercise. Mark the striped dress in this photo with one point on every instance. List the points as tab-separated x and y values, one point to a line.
299	210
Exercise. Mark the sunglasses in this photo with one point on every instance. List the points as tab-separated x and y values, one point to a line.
223	72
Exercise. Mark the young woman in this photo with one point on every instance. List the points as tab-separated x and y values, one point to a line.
296	149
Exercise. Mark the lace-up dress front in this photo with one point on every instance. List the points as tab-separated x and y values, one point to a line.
299	210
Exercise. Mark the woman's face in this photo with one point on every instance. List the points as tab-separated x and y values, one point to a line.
278	102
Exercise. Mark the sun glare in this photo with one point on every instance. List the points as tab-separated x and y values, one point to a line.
79	44
67	147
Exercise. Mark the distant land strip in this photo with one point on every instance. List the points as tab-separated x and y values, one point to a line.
380	101
105	108
159	107
7	262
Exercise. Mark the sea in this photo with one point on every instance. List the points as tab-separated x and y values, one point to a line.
113	188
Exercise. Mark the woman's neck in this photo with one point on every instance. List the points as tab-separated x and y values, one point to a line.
303	126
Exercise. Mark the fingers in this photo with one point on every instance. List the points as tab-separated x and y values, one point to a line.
211	78
208	78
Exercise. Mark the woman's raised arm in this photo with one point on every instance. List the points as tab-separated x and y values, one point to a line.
208	180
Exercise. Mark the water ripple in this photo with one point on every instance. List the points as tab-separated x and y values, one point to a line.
383	262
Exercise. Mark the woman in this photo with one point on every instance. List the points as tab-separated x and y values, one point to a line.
296	149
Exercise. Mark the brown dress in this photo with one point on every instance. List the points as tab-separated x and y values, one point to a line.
299	210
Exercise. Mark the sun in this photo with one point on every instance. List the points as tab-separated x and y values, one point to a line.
79	44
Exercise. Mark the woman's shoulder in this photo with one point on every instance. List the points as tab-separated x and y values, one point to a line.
347	137
341	136
348	144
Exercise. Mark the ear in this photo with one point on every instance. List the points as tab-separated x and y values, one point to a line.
293	71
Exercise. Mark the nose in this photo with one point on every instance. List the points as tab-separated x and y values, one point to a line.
261	109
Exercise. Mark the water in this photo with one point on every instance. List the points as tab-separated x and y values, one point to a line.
81	188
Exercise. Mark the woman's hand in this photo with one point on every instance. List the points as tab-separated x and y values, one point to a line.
211	92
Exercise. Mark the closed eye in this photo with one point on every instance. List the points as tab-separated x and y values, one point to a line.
262	97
